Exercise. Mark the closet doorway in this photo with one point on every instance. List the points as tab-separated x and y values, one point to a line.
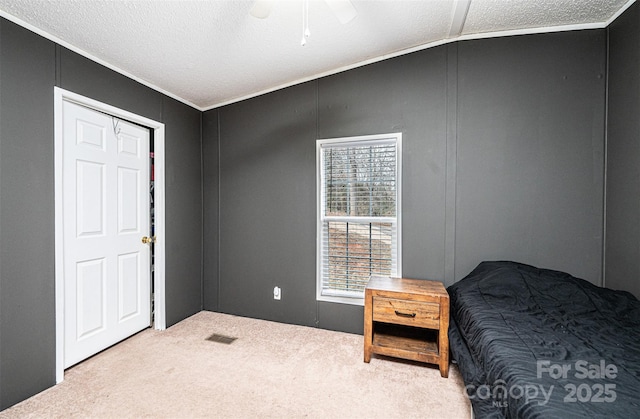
104	233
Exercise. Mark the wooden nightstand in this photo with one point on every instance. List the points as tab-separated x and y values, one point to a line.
407	318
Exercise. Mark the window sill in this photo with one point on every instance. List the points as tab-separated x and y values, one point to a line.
341	300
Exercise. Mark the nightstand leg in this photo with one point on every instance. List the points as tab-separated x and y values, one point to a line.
444	368
443	337
368	325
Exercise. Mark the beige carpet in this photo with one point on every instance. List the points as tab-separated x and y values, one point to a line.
271	370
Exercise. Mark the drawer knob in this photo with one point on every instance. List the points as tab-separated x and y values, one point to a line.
409	315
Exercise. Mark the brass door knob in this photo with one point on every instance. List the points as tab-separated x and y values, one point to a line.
148	240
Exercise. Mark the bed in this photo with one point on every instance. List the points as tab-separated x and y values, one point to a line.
537	343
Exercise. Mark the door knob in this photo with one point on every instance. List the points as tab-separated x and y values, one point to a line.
148	240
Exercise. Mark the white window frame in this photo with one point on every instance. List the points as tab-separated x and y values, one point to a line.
320	206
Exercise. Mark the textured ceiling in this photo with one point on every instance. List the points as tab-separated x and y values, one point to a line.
210	52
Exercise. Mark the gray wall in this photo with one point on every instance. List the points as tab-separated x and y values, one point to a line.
183	206
210	173
503	158
623	154
27	310
531	128
267	160
30	66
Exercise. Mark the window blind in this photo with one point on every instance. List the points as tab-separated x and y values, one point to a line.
358	215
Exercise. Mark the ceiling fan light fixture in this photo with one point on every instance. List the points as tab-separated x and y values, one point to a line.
261	9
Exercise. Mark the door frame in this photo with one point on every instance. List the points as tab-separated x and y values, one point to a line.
159	303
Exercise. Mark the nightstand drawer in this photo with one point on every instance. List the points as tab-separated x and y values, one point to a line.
410	313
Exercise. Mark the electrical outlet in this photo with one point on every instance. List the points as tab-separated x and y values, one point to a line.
277	293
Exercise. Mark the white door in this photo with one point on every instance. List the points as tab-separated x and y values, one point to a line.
106	213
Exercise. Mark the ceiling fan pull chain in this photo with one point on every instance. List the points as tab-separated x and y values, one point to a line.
307	33
305	22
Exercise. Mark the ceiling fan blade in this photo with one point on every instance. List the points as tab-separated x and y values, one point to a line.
343	9
261	9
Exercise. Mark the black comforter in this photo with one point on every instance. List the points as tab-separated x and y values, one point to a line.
536	343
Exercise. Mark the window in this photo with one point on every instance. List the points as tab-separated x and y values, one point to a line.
358	214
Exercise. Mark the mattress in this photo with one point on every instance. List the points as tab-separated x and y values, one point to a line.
537	343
